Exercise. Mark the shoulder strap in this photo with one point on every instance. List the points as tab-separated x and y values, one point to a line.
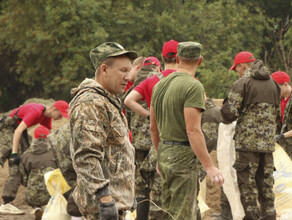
44	110
100	93
15	114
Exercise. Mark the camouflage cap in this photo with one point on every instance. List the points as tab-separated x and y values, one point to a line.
189	49
106	50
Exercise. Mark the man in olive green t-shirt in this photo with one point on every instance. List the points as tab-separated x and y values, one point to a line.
175	125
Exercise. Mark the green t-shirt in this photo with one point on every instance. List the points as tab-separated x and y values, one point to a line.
169	98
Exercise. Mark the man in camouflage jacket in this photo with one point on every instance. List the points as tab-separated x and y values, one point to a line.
102	154
254	101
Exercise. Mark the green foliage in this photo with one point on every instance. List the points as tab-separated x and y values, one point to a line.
51	41
45	44
277	34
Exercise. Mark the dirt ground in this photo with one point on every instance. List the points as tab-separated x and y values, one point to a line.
212	198
212	194
19	201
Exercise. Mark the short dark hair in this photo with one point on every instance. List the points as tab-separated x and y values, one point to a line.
171	58
109	62
194	60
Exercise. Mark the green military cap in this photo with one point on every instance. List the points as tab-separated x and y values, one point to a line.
189	49
107	50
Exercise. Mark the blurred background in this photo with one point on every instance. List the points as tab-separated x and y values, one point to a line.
45	44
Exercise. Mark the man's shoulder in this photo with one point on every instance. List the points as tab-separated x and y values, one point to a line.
151	79
32	108
90	97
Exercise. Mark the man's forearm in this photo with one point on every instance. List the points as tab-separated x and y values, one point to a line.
136	107
16	140
153	129
288	134
198	145
17	135
155	138
131	101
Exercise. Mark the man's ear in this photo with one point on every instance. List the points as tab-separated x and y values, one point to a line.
162	58
138	67
103	68
200	61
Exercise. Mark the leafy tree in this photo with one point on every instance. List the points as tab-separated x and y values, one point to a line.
45	44
50	41
277	43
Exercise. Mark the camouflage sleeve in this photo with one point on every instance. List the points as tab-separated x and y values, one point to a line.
88	126
231	107
25	167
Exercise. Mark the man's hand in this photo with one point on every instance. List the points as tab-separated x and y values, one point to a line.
279	137
108	211
14	159
215	175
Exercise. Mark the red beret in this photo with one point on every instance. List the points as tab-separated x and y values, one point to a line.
280	77
41	132
242	57
169	47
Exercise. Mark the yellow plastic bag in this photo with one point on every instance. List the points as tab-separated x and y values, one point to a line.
56	186
283	183
202	198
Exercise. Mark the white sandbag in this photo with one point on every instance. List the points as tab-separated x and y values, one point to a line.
226	158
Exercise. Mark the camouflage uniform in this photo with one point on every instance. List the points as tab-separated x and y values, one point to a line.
184	188
60	143
36	161
102	154
7	127
254	100
286	143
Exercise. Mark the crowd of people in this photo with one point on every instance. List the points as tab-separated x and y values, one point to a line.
139	137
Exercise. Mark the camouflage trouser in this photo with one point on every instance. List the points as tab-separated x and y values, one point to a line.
148	170
178	168
225	206
255	181
7	127
142	180
96	216
155	212
36	194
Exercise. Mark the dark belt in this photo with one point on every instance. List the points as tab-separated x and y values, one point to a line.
186	143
